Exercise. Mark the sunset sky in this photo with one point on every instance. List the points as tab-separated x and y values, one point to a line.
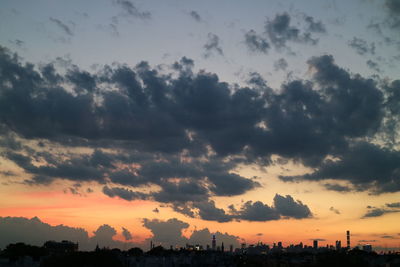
128	121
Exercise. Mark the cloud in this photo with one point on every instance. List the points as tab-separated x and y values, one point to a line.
34	231
195	15
336	211
377	212
361	46
255	42
213	45
337	187
185	132
66	29
130	9
257	211
127	235
393	205
314	26
280	31
168	232
280	64
203	237
156	210
284	207
373	65
288	207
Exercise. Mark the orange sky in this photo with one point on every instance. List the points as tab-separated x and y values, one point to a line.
90	210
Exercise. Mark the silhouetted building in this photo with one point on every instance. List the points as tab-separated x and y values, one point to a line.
231	248
214	243
64	246
315	244
338	245
367	248
222	247
348	239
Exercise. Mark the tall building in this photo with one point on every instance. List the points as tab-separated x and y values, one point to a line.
348	239
214	243
222	247
231	248
338	245
315	244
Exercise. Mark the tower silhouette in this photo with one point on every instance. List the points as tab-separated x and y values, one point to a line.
214	243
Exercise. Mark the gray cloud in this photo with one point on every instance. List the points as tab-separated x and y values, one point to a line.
377	212
337	187
66	29
314	26
213	45
255	42
127	235
131	10
167	232
283	208
280	30
195	15
203	237
393	205
280	64
186	132
361	46
35	232
288	207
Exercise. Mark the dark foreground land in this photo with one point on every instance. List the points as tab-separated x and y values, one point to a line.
26	255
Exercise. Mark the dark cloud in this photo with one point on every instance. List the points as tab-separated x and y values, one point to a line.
364	165
361	46
280	31
187	132
156	210
167	233
34	231
126	234
393	205
130	9
257	211
209	212
288	207
123	193
255	42
195	15
337	187
377	212
393	8
203	237
66	29
213	45
283	208
314	26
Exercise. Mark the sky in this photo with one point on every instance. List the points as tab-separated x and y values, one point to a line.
128	121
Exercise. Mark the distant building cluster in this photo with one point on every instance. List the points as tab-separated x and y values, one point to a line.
66	253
